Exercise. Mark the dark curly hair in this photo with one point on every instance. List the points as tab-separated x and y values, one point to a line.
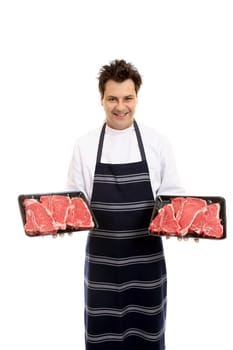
119	71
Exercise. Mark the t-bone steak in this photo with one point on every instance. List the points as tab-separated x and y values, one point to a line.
188	215
38	218
78	214
50	214
58	206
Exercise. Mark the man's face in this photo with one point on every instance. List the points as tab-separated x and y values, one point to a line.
119	102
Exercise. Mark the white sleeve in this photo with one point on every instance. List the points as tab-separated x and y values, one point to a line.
74	179
82	165
170	178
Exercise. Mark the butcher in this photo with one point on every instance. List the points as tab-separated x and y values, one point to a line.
122	166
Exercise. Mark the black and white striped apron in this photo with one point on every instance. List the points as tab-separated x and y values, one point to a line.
125	272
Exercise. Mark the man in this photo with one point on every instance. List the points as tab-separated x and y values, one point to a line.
122	167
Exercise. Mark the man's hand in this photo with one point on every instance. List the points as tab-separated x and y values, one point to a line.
183	238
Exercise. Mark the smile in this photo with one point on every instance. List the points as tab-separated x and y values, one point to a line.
121	115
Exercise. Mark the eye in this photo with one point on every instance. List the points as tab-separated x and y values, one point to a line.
111	99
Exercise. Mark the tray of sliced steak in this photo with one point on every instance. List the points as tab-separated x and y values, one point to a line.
189	216
53	213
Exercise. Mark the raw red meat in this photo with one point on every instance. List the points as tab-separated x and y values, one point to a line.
208	222
178	205
58	206
79	215
38	218
190	208
198	223
165	220
155	223
168	222
188	215
52	213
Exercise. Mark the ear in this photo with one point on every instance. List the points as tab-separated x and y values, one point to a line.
101	100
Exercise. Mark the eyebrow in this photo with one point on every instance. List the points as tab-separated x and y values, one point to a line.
112	96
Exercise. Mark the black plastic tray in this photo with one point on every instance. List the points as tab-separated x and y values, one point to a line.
164	200
37	196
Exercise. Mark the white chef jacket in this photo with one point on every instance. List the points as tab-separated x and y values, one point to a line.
120	146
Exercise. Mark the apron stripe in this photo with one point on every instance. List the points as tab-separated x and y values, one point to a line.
107	234
143	259
117	287
122	206
111	337
97	312
122	179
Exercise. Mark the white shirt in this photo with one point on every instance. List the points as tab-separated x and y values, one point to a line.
120	146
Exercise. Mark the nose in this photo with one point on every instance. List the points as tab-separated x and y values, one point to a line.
120	105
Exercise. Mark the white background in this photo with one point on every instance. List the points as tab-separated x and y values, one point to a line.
51	52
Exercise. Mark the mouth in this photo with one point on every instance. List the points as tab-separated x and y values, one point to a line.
121	115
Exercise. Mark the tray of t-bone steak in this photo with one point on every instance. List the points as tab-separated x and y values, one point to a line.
189	216
55	213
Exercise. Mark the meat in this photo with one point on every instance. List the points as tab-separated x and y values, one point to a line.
58	206
188	216
189	210
38	218
50	214
165	221
208	222
78	214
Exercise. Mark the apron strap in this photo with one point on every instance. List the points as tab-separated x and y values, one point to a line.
101	142
140	143
139	138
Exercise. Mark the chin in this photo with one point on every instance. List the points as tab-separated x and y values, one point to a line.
120	124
